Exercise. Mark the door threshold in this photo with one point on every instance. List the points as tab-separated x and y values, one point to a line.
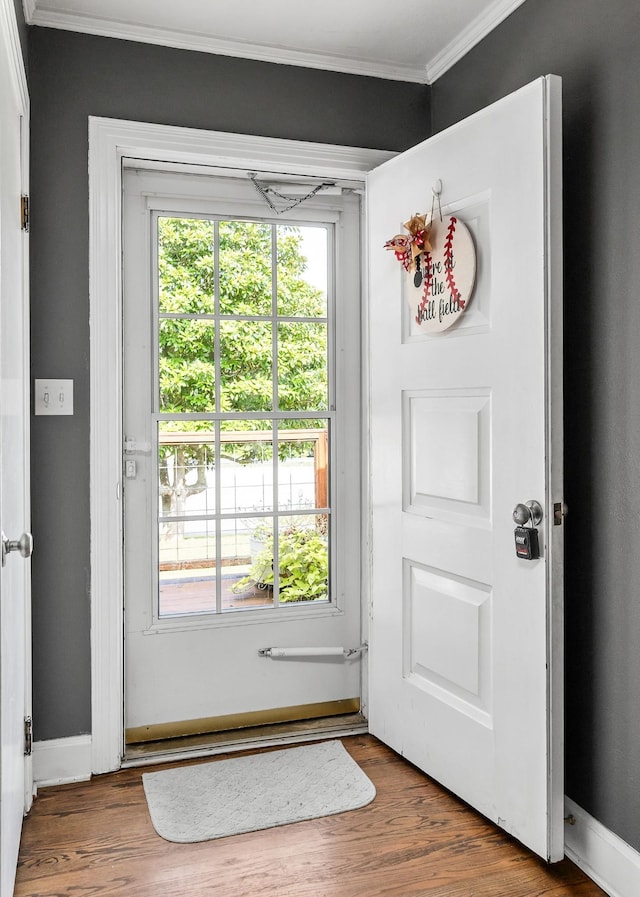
194	746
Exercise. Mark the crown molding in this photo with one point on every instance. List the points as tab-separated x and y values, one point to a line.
29	8
478	29
203	43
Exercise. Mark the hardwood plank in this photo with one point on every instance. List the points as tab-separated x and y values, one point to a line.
95	839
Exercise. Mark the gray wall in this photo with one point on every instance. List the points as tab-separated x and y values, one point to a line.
595	47
74	76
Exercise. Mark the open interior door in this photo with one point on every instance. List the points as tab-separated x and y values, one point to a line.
466	424
15	768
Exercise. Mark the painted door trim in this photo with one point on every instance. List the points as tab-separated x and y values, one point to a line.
9	30
110	142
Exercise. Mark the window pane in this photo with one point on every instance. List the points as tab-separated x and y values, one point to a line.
302	271
185	265
247	560
245	268
217	497
186	469
303	465
246	469
187	567
303	559
246	366
186	365
302	367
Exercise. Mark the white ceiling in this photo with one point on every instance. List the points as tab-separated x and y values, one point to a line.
414	40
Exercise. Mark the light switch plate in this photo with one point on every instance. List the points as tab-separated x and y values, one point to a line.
53	396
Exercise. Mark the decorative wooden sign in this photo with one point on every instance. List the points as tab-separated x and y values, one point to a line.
440	261
442	294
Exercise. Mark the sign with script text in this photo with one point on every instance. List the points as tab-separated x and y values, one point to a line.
440	291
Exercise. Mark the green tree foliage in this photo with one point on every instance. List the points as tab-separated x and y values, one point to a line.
187	346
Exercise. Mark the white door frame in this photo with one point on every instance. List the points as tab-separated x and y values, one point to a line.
11	49
110	141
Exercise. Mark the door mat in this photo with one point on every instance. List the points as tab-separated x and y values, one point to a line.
246	794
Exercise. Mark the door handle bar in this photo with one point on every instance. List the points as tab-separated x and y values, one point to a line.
312	652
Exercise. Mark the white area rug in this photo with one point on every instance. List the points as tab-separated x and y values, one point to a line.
245	794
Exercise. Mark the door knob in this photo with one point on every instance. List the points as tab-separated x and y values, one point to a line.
530	511
24	545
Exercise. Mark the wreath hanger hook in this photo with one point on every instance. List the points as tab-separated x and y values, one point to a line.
436	192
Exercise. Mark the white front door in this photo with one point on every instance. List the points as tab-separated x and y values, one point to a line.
14	496
241	441
466	638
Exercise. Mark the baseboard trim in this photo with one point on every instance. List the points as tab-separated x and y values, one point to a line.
603	856
62	760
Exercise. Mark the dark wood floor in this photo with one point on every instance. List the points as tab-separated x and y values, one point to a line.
415	840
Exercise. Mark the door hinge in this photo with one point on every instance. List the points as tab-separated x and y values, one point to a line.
24	213
28	736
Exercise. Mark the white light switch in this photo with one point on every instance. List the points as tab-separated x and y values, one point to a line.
53	396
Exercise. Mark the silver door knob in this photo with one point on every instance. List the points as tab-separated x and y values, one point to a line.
24	545
530	511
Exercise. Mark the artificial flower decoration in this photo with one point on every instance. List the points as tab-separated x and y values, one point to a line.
407	248
419	230
401	246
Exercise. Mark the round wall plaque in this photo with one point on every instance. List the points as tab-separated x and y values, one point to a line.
440	289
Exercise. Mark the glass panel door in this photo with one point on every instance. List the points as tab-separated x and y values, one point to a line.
242	454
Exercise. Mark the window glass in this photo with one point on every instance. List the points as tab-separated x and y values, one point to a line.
243	458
